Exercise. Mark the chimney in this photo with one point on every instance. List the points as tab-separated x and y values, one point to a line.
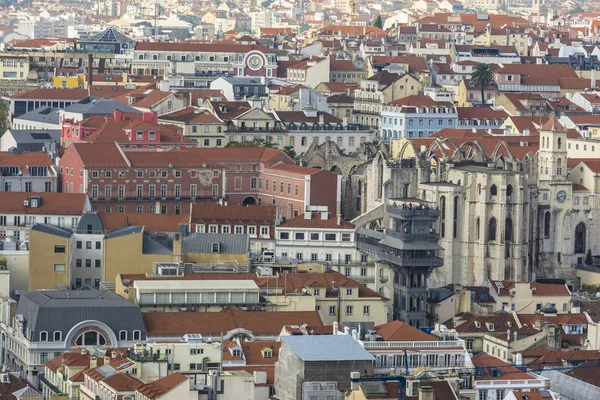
335	327
321	119
355	334
324	215
89	71
593	82
426	393
346	330
150	116
93	362
183	230
308	214
177	247
518	359
106	360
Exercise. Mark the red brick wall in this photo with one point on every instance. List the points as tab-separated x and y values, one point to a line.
323	190
70	171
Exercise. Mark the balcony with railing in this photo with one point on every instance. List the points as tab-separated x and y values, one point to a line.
147	357
410	258
405	212
406	344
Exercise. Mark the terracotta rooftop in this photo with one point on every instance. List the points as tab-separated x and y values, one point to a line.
269	323
588	372
192	115
51	203
162	386
150	222
221	47
25	160
205	212
296	283
52	94
399	331
316	222
553	125
98	155
507	372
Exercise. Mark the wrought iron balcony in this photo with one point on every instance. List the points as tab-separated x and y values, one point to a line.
415	212
426	262
416	237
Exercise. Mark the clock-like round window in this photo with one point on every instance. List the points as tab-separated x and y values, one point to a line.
255	62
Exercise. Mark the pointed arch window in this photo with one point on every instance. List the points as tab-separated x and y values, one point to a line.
547	224
443	216
492	229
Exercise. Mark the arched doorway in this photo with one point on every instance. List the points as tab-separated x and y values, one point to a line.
249	201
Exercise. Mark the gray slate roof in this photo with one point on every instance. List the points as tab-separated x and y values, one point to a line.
243	80
98	106
90	221
48	115
162	243
128	230
52	230
61	310
35	136
327	348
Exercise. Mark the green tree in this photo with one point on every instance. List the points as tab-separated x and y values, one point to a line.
260	142
482	76
289	150
326	16
3	118
378	22
588	257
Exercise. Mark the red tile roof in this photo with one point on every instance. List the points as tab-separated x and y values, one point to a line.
51	203
100	155
316	222
399	331
553	125
269	323
24	161
508	372
151	222
296	283
162	386
52	94
553	71
259	215
192	115
480	113
347	30
221	47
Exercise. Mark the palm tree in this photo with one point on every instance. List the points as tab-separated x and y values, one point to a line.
482	76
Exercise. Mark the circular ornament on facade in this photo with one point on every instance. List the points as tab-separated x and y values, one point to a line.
561	196
255	62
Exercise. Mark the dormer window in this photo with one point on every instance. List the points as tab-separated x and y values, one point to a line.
489	326
477	324
43	336
267	353
139	135
237	353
